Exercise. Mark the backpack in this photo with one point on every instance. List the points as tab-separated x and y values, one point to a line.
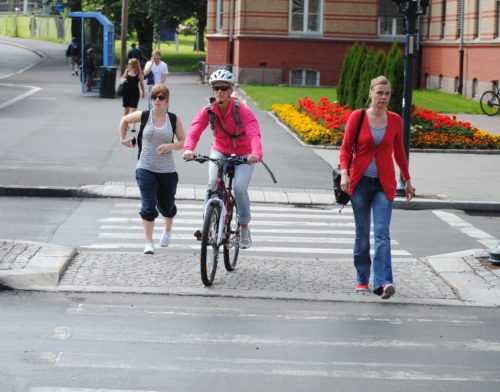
74	50
144	121
236	114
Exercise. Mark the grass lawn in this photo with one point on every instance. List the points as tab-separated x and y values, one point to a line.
184	60
434	100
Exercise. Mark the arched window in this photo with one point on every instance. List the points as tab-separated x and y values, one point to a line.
306	16
475	86
219	24
440	82
455	84
304	77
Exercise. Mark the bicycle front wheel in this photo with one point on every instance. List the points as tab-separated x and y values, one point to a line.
209	246
490	103
232	243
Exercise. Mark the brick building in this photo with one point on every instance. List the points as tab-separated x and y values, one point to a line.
303	42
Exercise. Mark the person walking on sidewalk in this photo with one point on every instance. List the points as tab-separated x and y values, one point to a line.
132	79
156	174
73	54
229	138
371	182
156	71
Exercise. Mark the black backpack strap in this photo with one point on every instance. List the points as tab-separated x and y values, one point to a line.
144	121
173	121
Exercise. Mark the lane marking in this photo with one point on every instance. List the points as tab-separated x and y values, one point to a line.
466	228
32	90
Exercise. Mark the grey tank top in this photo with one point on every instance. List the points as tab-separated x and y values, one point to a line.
152	138
378	135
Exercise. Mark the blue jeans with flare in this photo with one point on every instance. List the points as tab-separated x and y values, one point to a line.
369	197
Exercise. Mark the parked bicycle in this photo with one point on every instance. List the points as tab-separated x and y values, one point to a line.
220	226
490	101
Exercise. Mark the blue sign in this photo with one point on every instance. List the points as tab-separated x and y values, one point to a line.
165	34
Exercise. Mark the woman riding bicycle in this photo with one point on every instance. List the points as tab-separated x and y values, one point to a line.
229	138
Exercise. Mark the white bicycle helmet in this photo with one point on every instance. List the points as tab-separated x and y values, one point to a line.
221	75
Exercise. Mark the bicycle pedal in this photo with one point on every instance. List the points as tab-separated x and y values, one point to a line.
198	235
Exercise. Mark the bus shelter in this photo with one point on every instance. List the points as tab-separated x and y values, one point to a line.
97	56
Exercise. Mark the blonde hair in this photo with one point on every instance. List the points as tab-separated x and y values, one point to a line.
160	89
134	65
379	80
156	52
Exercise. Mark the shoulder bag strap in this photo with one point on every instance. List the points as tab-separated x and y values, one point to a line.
360	124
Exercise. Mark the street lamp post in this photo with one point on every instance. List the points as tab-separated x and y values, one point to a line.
411	9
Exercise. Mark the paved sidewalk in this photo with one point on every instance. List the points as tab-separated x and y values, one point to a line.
454	279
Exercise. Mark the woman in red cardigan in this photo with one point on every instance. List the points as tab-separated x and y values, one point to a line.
371	182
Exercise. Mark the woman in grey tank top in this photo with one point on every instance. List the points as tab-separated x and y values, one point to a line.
155	173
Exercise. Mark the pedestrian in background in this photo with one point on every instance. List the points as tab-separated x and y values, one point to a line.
371	182
132	78
156	174
134	53
158	69
229	138
73	54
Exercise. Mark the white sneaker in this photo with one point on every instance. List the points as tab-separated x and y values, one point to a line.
245	239
165	239
149	249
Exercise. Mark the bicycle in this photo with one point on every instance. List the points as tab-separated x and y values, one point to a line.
490	101
220	225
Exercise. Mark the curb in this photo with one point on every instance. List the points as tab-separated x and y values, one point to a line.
457	273
320	197
43	269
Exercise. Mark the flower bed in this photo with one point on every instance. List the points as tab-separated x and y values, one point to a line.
324	124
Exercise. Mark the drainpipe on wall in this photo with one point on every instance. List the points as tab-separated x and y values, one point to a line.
231	32
461	51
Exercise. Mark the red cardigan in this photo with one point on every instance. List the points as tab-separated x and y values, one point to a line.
366	149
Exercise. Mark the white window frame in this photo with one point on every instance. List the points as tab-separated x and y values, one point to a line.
219	16
394	26
303	81
305	19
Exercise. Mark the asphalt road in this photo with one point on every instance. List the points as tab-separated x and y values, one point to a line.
65	343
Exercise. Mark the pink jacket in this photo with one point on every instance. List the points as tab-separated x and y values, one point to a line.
244	145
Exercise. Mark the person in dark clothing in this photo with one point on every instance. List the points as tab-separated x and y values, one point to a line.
134	53
73	54
132	79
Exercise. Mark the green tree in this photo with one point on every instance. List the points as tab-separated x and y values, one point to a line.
394	71
354	75
368	72
344	75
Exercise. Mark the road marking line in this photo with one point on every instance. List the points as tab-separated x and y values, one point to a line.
465	227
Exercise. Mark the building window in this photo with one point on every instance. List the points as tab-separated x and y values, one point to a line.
304	77
390	22
440	82
475	87
497	18
459	18
427	81
477	27
443	19
220	16
306	16
455	84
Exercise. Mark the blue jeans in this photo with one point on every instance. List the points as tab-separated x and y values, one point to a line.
242	176
157	193
369	196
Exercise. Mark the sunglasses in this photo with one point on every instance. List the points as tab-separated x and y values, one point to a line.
221	88
158	97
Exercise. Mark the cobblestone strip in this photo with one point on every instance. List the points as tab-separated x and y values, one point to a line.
413	278
14	255
490	278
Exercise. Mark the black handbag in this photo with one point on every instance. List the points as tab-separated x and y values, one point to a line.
121	89
342	197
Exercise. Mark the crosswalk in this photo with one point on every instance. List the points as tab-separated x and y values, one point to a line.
155	345
275	230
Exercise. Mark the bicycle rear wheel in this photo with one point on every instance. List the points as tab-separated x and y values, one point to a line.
490	103
232	245
209	247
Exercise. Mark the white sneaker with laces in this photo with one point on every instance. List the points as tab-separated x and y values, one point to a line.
165	239
245	239
149	249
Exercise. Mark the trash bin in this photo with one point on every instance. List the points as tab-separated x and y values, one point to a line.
107	85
